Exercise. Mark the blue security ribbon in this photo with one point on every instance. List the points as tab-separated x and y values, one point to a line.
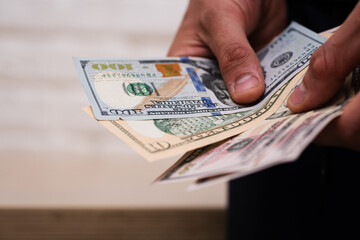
196	80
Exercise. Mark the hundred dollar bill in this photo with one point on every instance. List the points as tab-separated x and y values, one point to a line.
161	138
280	138
185	87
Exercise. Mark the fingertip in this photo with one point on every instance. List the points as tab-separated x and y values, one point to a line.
247	89
242	72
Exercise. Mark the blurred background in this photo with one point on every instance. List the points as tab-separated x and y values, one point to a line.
61	172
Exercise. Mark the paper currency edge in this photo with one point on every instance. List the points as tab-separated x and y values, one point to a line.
136	144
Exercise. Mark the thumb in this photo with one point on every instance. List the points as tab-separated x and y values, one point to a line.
329	66
239	65
240	68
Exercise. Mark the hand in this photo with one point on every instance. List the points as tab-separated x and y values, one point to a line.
225	29
329	66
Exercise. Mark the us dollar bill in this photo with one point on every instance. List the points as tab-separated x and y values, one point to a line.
132	89
280	138
162	138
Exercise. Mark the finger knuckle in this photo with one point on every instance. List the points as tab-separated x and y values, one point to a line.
234	55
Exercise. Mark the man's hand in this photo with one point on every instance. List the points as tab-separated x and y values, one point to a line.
329	66
225	29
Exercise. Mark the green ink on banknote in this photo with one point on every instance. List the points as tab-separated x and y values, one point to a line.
139	89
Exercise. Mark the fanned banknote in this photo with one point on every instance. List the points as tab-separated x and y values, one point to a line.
161	138
280	138
186	87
